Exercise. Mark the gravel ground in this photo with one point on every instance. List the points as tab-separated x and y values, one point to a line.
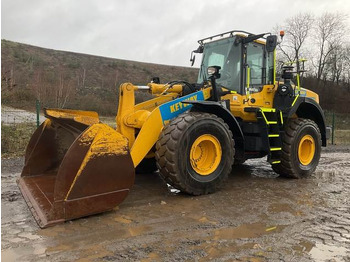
255	217
10	115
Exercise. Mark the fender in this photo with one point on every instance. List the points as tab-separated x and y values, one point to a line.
306	107
217	109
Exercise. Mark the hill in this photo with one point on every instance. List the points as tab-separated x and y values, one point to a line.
72	80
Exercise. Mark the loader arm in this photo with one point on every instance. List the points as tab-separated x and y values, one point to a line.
142	123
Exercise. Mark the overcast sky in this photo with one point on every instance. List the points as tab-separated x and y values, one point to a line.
156	31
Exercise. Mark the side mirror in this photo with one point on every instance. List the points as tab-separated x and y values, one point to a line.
199	50
271	43
193	58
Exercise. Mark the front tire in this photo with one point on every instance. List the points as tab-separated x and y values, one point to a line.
195	153
301	149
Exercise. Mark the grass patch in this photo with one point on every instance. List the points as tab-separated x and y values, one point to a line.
15	138
341	137
341	121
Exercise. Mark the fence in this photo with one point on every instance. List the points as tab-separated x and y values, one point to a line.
340	124
17	126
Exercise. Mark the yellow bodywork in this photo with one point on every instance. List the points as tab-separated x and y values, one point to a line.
83	117
142	124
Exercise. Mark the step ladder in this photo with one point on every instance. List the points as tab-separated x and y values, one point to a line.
273	119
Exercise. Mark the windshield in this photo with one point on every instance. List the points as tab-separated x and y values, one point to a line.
225	54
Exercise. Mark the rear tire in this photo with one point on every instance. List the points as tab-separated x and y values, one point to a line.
195	153
301	149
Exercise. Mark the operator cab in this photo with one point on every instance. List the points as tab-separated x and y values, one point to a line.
235	54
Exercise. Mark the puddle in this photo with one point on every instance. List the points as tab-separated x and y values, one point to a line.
39	249
304	246
23	253
123	219
136	231
321	252
281	207
29	236
10	255
246	231
93	253
205	220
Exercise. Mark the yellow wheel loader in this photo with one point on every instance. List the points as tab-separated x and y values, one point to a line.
193	133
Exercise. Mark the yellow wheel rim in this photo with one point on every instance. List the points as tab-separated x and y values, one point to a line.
205	154
306	150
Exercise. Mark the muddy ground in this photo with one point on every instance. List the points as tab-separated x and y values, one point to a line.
255	217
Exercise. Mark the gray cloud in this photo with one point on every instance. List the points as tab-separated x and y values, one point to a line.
158	31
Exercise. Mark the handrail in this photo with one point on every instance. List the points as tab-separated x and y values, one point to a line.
229	33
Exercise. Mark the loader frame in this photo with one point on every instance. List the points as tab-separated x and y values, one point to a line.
77	166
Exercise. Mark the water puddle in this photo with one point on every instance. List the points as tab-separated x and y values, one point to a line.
10	255
205	220
282	207
304	246
247	231
23	253
321	252
139	230
123	219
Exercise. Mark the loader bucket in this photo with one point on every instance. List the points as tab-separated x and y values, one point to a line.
75	167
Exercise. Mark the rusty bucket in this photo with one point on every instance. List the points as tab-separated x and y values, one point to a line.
75	167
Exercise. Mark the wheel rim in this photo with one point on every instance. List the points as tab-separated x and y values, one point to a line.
306	151
205	154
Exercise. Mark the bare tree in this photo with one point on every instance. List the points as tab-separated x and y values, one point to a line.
297	29
346	66
63	91
7	78
328	36
38	85
336	63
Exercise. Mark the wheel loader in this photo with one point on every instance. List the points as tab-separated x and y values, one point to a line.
193	133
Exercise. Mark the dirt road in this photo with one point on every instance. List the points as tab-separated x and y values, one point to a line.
255	217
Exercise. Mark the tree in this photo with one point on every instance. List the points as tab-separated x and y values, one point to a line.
297	29
328	36
63	90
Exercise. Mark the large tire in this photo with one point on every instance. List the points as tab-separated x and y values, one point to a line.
183	146
301	149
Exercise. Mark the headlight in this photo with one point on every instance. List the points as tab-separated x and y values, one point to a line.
213	71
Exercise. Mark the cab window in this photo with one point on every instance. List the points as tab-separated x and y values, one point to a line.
227	55
255	60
